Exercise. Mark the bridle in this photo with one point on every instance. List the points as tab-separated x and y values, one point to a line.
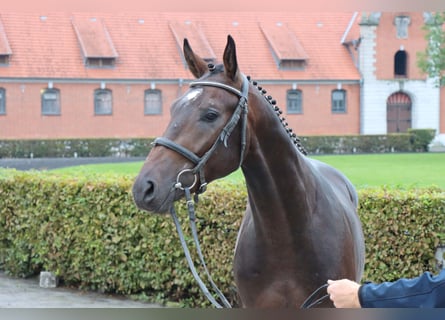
240	113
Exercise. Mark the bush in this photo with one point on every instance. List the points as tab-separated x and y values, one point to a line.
68	148
90	233
416	140
421	138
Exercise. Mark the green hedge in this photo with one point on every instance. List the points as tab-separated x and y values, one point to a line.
89	232
415	140
67	148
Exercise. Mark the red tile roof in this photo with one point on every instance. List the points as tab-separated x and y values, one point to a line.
46	46
94	38
283	41
5	49
194	34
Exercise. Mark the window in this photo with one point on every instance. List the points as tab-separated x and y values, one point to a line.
50	101
294	101
100	62
402	23
152	101
103	102
4	59
400	62
2	101
338	101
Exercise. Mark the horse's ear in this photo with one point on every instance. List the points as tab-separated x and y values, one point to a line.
229	58
196	64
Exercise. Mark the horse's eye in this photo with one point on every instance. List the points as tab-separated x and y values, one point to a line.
210	116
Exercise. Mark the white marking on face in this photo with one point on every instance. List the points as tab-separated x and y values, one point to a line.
193	95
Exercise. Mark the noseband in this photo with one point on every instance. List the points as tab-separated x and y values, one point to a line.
239	113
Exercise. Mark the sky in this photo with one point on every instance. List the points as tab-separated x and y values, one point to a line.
223	5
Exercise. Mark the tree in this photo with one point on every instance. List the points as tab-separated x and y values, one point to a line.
432	60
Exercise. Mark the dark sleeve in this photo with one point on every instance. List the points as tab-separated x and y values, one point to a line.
426	291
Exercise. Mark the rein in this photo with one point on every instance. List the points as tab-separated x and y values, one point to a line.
240	113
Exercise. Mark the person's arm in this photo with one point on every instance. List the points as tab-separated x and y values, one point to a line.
425	291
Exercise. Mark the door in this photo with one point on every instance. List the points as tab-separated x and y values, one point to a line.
398	112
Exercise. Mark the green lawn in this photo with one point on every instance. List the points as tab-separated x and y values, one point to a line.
410	169
399	170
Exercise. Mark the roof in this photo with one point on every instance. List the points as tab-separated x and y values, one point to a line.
5	49
283	41
94	38
148	45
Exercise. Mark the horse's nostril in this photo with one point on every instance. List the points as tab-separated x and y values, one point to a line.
149	190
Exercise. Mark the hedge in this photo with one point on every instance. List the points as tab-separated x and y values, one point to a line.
90	233
415	140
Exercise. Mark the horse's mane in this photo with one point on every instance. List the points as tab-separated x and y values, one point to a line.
273	103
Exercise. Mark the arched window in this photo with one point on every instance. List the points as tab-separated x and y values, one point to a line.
294	100
103	102
338	99
2	101
400	62
50	101
152	101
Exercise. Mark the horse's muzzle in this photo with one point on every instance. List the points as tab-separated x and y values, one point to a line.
146	196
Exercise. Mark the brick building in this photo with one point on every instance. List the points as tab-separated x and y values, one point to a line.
97	75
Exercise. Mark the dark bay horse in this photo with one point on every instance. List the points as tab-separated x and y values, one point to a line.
301	226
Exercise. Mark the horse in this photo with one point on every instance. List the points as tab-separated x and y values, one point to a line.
300	227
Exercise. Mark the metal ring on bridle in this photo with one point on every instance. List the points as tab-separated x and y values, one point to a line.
178	184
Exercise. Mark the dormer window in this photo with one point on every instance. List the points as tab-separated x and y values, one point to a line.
99	62
95	42
194	33
5	49
4	59
286	49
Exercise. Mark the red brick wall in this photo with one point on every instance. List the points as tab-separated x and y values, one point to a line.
388	44
23	119
317	118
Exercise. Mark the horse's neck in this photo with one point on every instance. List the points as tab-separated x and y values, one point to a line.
277	178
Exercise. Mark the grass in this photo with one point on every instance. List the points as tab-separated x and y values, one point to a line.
370	170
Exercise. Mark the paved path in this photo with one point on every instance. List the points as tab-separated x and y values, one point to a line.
53	163
27	293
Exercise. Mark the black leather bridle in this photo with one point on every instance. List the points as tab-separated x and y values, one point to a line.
239	113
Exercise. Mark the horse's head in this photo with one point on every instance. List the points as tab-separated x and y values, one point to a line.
206	137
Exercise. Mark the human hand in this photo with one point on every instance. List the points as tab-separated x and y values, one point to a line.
344	293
